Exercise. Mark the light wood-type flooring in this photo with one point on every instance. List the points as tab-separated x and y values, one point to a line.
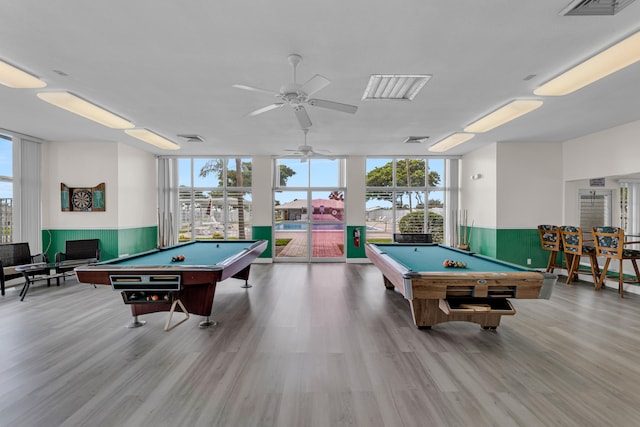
317	345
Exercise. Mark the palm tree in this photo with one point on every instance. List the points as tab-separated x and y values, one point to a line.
216	166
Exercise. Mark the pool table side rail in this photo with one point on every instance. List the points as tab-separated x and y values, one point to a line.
241	261
191	274
392	271
526	284
432	285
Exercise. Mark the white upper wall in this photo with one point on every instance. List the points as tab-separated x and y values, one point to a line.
613	152
516	185
529	184
478	196
78	164
130	181
356	197
137	187
261	192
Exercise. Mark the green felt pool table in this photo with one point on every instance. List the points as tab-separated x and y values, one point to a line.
158	280
477	291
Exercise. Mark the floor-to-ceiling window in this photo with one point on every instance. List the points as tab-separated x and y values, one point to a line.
405	195
6	188
309	209
215	198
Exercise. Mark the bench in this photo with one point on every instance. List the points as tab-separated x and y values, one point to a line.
412	237
84	249
15	254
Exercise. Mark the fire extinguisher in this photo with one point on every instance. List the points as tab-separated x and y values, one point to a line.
356	237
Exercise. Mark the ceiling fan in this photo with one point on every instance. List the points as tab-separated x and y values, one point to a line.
305	151
296	95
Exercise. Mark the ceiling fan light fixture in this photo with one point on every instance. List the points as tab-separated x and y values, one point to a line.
502	115
615	58
14	77
450	142
295	96
152	138
403	87
86	109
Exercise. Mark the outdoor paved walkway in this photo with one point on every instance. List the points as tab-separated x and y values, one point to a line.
326	244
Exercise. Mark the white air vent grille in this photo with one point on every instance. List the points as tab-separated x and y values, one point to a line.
595	7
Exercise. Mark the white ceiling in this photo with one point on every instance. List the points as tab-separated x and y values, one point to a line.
169	66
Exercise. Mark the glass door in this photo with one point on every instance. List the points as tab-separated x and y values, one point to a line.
327	225
309	210
291	225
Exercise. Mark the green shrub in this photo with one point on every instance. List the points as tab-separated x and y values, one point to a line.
414	223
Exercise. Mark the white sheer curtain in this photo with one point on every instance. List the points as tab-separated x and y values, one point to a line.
27	214
168	202
630	198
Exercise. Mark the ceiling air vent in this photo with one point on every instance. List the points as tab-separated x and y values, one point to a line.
192	138
399	87
594	7
415	139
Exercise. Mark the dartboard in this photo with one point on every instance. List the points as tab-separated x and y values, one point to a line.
81	200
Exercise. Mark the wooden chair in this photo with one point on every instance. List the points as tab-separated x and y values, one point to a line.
574	249
610	245
550	240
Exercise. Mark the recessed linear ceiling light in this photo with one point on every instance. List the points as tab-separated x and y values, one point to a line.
451	141
607	62
503	115
86	109
403	87
152	138
11	76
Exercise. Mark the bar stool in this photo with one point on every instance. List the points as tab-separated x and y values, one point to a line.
550	240
610	244
574	249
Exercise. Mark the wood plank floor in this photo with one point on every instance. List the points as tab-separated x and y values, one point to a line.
317	345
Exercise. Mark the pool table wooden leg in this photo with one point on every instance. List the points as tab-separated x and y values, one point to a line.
427	312
387	282
243	275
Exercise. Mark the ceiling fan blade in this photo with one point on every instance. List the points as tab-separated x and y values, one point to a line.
314	84
303	117
345	108
265	109
256	89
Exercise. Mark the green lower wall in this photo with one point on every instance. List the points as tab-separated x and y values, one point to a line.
511	245
263	232
113	243
354	251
